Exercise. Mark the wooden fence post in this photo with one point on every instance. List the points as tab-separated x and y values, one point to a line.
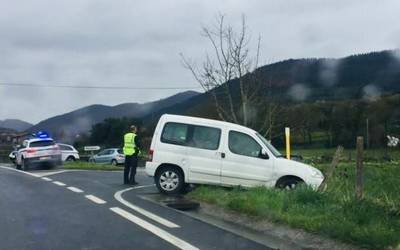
360	168
331	169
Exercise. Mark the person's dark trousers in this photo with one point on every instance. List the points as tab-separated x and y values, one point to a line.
127	168
132	173
130	169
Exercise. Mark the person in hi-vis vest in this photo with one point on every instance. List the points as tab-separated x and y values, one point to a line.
131	152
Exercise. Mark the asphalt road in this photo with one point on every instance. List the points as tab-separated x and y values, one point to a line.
94	210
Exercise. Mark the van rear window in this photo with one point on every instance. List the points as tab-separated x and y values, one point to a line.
37	144
175	133
191	135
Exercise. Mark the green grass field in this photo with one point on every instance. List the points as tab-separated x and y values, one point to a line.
373	223
90	166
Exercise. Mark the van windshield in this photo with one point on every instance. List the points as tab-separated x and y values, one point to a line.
271	148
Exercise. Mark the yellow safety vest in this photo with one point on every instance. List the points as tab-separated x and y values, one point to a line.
129	144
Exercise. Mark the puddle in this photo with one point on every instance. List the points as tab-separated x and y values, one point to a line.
176	202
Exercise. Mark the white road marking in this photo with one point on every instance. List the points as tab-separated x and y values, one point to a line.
17	170
59	183
76	190
52	172
46	179
118	197
95	199
179	243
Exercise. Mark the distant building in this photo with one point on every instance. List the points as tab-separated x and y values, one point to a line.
11	137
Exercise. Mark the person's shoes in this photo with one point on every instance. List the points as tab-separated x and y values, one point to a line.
134	183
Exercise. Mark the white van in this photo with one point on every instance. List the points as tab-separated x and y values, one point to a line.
194	150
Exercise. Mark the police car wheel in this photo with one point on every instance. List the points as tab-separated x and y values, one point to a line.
24	164
169	180
70	158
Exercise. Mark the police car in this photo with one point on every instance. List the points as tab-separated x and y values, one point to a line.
38	150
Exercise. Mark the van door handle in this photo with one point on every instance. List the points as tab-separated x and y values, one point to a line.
222	155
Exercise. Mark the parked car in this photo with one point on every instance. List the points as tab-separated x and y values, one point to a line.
38	151
114	156
68	152
190	150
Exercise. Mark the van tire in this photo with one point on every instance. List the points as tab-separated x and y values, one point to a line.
289	183
169	180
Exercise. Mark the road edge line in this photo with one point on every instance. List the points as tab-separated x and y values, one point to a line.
20	171
150	215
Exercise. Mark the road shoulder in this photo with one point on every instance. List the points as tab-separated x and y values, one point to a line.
261	231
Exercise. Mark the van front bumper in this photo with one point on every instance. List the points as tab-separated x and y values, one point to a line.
315	182
151	168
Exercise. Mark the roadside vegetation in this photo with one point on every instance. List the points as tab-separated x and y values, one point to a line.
373	222
90	166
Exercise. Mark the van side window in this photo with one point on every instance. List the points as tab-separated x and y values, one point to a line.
175	133
204	137
243	144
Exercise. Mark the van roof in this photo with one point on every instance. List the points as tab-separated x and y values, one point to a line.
191	119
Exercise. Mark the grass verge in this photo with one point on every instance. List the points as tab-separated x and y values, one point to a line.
372	223
90	166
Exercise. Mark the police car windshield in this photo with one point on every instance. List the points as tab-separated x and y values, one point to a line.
44	143
271	148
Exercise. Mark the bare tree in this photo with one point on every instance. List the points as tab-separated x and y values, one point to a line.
231	77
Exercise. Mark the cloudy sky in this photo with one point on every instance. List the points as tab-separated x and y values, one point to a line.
137	44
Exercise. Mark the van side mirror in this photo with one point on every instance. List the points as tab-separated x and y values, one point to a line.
263	154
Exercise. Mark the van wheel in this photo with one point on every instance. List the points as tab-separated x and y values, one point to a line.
289	183
114	162
169	180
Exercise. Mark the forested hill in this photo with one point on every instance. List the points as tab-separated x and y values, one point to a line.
350	77
363	76
324	101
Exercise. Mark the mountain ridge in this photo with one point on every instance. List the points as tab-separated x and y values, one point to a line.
15	124
68	125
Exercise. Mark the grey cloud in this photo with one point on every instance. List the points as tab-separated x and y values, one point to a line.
371	92
328	72
136	43
299	92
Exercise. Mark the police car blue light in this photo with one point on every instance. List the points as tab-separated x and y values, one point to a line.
41	135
